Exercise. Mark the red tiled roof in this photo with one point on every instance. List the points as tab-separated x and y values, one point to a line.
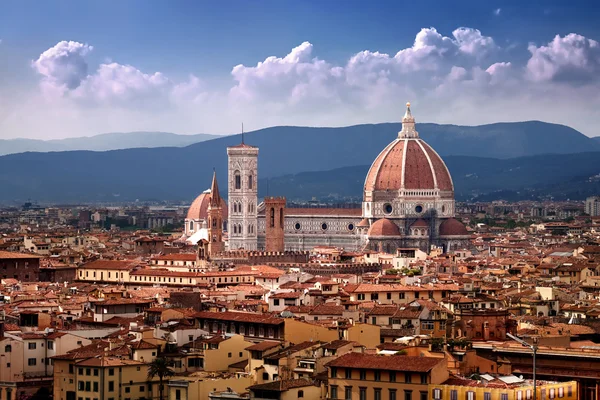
111	264
240	316
383	227
392	363
452	227
11	255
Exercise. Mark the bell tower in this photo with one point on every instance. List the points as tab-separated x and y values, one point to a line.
215	220
275	224
242	196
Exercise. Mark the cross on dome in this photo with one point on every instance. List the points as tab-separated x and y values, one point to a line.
408	125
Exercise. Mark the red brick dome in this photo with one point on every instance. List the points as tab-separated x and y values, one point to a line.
383	227
420	223
408	163
199	207
363	223
452	227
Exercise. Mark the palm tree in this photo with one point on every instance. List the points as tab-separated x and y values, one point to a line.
160	367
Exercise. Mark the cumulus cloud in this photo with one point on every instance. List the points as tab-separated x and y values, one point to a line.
573	58
65	74
462	77
117	83
63	65
472	42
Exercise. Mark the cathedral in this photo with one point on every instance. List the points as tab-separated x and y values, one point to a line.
408	202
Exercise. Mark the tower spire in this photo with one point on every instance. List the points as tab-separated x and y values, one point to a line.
215	196
408	125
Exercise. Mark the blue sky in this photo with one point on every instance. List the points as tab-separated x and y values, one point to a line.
72	68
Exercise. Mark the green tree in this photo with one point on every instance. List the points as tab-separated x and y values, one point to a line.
160	367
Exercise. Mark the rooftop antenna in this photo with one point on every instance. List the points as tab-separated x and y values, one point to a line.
242	133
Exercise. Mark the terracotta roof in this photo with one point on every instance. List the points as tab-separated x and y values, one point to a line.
383	227
199	207
262	346
176	257
111	264
240	316
364	222
408	164
392	363
326	309
11	255
452	227
420	223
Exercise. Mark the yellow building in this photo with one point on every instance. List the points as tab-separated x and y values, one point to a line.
199	385
111	271
101	377
496	389
378	377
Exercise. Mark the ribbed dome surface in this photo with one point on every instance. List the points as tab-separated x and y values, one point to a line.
408	163
383	227
199	207
453	227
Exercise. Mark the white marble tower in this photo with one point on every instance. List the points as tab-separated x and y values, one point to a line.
242	196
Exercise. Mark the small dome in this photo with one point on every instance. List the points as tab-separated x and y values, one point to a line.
383	227
420	223
199	207
363	224
452	227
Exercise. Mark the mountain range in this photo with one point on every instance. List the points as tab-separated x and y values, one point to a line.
102	142
482	159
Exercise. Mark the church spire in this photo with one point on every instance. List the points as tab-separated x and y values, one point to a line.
408	125
215	197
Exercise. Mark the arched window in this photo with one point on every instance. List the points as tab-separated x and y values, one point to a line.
238	180
281	217
272	219
250	181
7	348
191	225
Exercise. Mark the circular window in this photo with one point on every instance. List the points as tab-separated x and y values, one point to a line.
297	226
350	227
419	209
387	208
324	226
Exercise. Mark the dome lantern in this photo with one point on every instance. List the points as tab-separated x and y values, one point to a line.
408	125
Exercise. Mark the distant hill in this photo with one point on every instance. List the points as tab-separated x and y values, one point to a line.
574	176
172	173
596	138
105	141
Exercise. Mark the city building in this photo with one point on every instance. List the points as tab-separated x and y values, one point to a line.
592	206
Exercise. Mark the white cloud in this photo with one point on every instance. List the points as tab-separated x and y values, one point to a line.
497	11
63	66
572	58
471	41
116	83
463	78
